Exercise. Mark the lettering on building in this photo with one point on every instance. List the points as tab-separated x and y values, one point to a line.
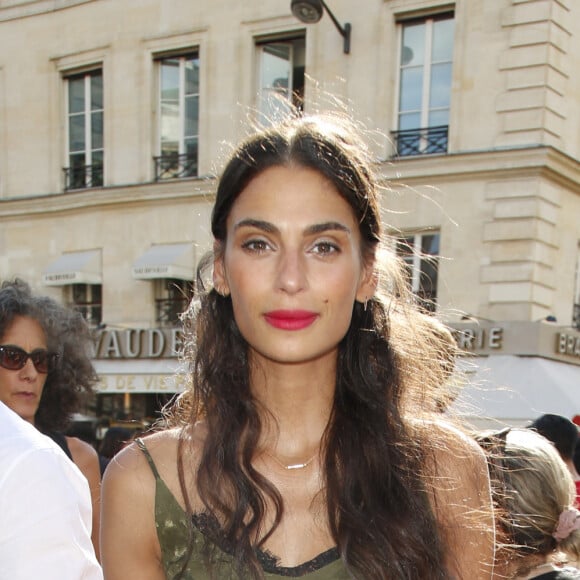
132	343
568	344
474	339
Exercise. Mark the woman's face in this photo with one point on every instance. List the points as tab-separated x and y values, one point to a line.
21	389
292	264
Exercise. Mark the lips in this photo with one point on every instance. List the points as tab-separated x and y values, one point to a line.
290	319
25	394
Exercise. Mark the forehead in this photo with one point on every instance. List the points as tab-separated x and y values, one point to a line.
292	195
25	332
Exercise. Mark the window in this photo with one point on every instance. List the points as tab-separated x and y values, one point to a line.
281	65
178	117
576	308
424	86
84	130
87	299
172	297
421	254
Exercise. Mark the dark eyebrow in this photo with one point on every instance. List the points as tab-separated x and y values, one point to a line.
258	224
310	230
326	227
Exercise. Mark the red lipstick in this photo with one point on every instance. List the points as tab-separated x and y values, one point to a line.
290	319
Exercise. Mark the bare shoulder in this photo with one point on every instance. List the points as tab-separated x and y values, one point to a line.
86	459
461	496
130	546
132	461
81	450
453	446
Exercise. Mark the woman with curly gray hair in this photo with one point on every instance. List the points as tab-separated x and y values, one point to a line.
539	529
45	367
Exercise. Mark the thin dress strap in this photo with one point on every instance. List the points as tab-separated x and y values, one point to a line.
141	445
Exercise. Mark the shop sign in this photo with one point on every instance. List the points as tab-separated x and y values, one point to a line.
568	344
476	339
137	343
140	383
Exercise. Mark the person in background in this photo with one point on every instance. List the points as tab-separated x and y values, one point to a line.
44	368
538	525
577	457
310	443
45	507
563	433
114	440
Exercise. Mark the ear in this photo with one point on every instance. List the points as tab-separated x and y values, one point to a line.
368	283
220	281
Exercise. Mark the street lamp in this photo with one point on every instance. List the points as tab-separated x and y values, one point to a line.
311	11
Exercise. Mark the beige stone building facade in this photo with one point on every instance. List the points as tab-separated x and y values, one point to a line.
116	114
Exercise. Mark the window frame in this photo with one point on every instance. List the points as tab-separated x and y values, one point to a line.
91	308
180	164
427	138
93	174
297	79
414	261
166	297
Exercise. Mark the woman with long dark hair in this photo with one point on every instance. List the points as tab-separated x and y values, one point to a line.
310	442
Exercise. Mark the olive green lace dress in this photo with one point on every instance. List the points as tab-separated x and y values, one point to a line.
173	534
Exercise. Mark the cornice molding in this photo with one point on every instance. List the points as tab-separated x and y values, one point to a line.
192	190
543	161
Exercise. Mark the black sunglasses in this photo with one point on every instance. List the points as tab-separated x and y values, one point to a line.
14	358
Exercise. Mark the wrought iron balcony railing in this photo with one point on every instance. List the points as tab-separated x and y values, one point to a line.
576	317
167	310
175	166
421	141
83	177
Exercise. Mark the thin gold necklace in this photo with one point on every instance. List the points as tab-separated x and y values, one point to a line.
292	466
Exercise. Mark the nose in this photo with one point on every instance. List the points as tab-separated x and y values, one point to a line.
28	371
291	275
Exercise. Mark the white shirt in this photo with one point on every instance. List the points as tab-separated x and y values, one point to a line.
45	508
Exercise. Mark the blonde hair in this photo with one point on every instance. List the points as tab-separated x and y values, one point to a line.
532	488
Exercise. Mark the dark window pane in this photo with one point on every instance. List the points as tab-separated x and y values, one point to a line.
192	76
440	85
191	116
76	94
411	89
97	131
77	133
430	244
96	91
170	80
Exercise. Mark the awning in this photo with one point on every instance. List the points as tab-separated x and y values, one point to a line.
75	268
166	261
514	390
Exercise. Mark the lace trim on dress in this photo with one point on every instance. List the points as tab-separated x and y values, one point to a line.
209	527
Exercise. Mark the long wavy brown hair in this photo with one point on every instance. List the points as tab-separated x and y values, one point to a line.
389	365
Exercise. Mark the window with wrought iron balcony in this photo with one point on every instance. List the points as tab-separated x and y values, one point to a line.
424	81
420	141
81	176
175	165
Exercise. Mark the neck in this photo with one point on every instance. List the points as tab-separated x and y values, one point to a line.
297	402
